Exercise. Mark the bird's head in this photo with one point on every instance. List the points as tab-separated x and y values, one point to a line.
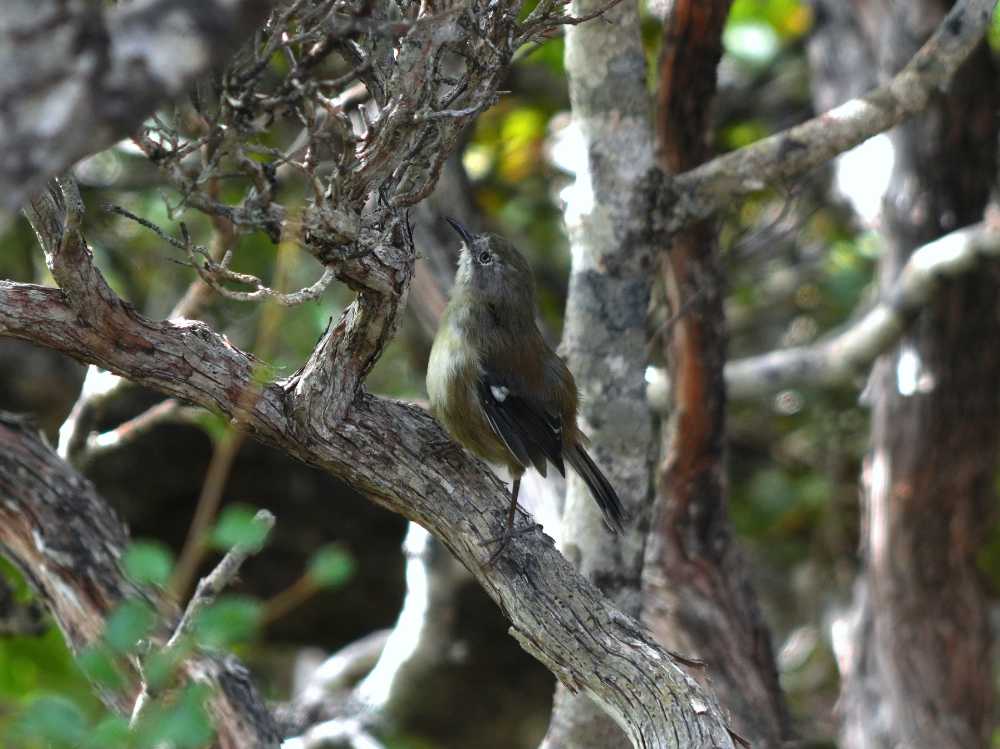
491	270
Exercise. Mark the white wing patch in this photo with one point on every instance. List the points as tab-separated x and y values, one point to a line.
499	393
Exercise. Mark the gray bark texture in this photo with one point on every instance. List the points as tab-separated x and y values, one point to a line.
76	76
427	72
604	339
916	666
322	414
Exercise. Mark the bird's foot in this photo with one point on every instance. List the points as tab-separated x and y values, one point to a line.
505	538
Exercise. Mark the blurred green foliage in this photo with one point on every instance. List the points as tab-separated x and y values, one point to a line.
46	700
238	526
148	563
331	566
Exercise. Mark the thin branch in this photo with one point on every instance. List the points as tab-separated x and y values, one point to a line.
381	448
208	588
543	21
167	411
98	389
209	499
784	156
213	271
848	354
348	732
341	670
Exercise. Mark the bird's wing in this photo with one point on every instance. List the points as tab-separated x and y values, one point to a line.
530	431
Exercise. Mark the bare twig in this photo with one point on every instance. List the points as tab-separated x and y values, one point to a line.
342	669
209	499
125	433
339	732
55	526
208	588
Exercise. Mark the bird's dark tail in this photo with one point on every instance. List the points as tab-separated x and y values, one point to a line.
604	494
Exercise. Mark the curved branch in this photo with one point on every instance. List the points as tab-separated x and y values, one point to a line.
702	191
849	353
381	447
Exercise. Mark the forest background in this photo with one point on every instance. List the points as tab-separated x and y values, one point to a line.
859	409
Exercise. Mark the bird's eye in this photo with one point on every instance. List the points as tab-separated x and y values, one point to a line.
485	258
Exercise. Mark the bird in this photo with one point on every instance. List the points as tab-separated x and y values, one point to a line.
496	385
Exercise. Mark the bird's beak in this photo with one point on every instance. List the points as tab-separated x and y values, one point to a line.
462	231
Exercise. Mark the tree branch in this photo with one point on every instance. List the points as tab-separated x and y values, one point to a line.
849	353
67	541
208	588
704	190
380	446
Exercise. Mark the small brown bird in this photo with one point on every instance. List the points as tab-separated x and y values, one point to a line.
497	386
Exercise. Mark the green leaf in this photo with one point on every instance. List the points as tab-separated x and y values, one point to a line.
99	666
128	624
52	719
148	562
331	566
237	526
112	731
161	665
229	620
184	724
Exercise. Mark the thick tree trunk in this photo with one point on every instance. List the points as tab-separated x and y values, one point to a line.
698	598
605	332
916	665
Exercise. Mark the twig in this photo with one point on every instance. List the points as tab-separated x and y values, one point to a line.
99	387
544	24
209	499
290	598
575	20
208	588
126	432
226	449
704	190
212	272
342	669
112	208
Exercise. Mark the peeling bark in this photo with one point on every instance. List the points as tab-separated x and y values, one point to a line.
380	446
707	189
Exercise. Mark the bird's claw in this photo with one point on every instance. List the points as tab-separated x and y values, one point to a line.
504	539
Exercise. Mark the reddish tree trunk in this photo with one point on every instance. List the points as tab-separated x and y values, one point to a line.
698	599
